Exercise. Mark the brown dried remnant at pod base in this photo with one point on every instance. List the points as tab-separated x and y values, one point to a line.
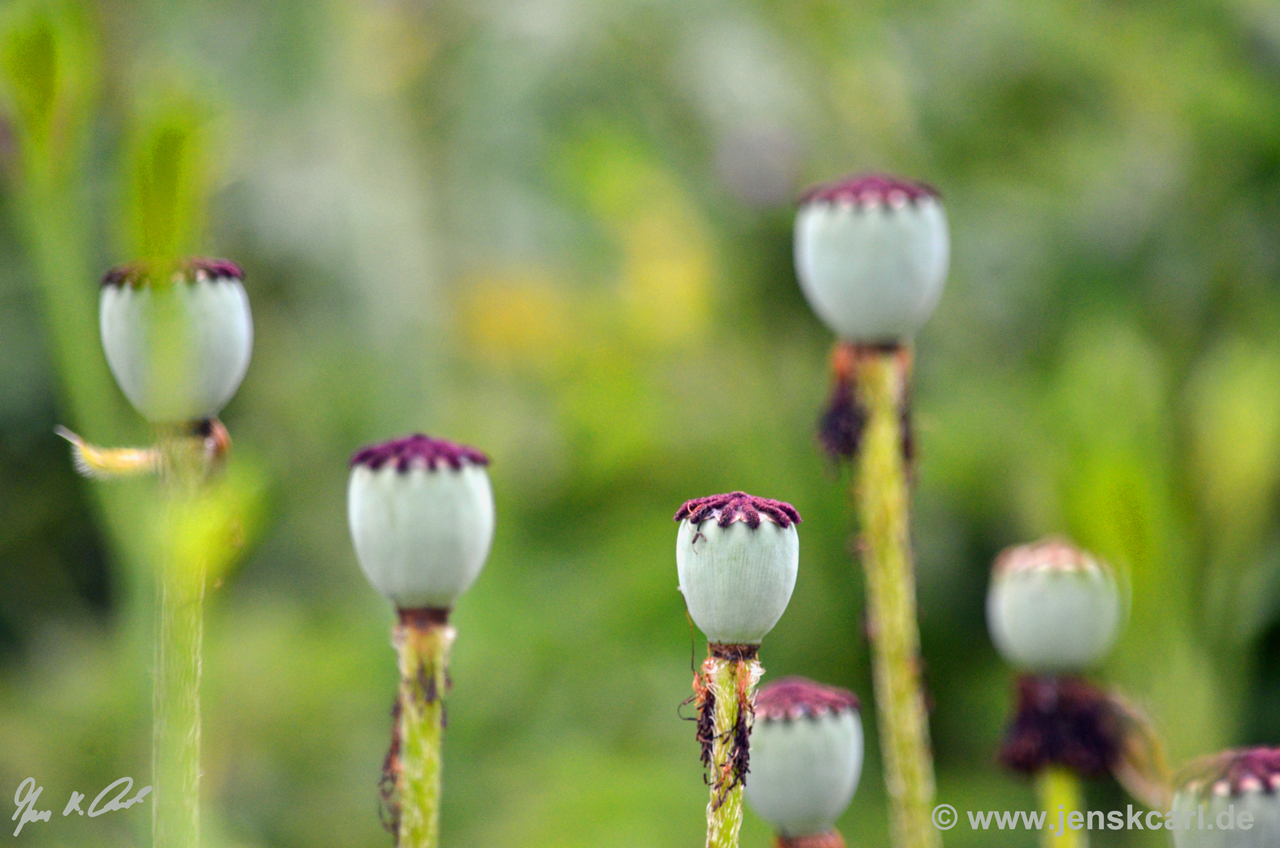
1063	721
842	422
830	839
425	692
389	801
704	698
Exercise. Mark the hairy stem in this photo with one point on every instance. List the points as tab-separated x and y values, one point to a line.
727	690
175	752
1058	789
423	639
882	377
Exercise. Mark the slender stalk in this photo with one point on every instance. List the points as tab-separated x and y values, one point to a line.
176	739
882	378
179	637
1058	789
423	639
727	689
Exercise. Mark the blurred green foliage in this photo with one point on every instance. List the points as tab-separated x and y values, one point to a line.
560	230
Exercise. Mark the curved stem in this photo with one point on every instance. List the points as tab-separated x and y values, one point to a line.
727	689
423	642
882	378
1058	789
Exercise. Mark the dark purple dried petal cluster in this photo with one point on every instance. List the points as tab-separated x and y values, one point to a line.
795	697
1062	721
1238	771
138	274
417	451
737	506
869	190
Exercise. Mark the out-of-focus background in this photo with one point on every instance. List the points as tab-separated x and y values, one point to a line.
560	230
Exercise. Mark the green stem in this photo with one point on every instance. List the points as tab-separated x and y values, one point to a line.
176	740
1058	789
178	646
882	377
423	643
731	690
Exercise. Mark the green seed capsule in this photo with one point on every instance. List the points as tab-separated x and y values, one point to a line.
1233	801
737	557
1052	608
178	348
871	255
806	756
421	515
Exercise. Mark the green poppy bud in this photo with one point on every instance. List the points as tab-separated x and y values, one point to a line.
806	756
1052	608
1230	801
178	348
421	515
737	557
871	255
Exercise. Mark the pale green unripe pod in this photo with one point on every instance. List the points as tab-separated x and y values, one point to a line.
806	756
1233	803
872	255
178	348
737	557
1053	608
422	517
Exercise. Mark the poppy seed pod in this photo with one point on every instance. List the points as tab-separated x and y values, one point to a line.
179	347
871	254
1051	607
737	558
421	515
1231	801
806	756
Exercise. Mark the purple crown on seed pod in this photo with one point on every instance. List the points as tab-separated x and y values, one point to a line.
795	697
871	256
806	759
194	268
869	190
1241	786
1239	771
1050	555
738	506
422	519
737	557
178	336
1052	607
417	451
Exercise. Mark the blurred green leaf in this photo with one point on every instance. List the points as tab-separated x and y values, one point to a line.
168	180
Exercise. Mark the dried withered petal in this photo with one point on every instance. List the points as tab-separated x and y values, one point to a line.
842	422
1062	721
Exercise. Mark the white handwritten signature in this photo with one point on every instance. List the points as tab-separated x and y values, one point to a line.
28	793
